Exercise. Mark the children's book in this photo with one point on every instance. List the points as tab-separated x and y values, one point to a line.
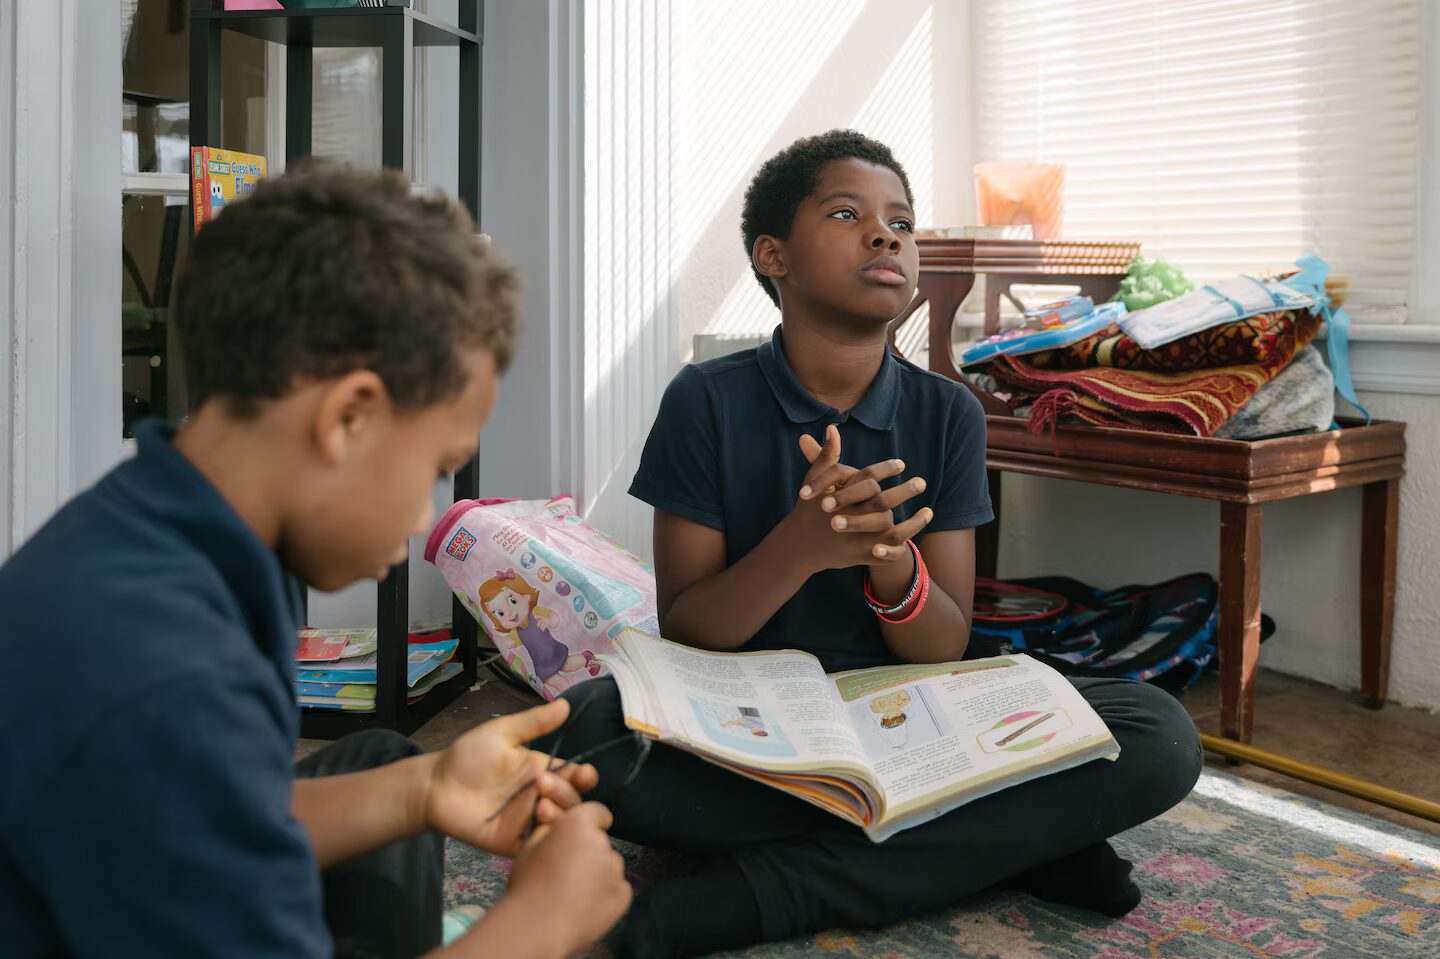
219	178
328	645
422	659
354	704
447	671
1034	338
886	748
334	691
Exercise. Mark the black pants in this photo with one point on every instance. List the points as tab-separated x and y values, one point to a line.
386	904
810	871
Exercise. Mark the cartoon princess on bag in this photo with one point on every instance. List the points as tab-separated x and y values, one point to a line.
513	608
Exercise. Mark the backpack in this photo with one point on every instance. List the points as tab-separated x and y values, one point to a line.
1162	634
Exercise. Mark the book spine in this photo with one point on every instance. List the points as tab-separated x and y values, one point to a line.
199	183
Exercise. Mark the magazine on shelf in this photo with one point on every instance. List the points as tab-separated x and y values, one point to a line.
422	660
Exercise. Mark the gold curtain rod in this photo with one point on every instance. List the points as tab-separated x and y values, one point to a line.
1328	778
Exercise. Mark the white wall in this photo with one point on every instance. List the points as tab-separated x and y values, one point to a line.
686	100
897	71
1310	557
525	206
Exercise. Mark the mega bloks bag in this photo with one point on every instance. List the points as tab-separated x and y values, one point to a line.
548	589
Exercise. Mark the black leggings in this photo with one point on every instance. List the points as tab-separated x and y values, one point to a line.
386	904
810	871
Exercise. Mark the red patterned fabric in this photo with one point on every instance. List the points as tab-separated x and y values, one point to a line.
1191	386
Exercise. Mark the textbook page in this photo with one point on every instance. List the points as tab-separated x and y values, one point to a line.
769	710
938	735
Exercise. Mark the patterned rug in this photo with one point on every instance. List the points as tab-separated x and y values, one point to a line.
1237	870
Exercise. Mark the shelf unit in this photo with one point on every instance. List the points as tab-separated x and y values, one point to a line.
397	31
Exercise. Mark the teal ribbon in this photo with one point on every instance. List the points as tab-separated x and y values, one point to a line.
1234	304
1311	281
1337	342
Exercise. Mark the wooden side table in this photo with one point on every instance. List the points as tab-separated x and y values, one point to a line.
1242	476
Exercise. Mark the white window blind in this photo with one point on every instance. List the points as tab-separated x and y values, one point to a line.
1227	135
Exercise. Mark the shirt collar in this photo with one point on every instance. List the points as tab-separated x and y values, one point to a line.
876	409
164	481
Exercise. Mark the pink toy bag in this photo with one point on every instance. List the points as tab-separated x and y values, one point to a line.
550	590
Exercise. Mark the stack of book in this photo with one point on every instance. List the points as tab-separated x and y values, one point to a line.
338	668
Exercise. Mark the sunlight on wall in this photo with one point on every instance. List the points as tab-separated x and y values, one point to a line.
629	319
683	102
741	67
899	113
897	108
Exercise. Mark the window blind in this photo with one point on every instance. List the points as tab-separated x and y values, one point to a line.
1228	136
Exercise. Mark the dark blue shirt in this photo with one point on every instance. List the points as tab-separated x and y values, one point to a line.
724	452
147	729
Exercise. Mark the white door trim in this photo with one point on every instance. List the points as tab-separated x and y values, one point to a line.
60	81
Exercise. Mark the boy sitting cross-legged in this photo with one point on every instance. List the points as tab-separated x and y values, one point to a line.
342	343
787	480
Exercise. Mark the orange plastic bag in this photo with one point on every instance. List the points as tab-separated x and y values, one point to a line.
1011	193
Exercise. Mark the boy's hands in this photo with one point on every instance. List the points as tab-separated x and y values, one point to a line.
482	769
852	524
572	879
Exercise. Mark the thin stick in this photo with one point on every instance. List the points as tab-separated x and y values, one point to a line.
1023	729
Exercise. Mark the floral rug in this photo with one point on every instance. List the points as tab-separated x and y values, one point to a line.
1237	870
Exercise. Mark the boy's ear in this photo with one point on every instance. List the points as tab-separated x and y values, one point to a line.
769	257
349	406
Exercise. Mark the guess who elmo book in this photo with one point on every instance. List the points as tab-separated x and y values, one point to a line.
219	178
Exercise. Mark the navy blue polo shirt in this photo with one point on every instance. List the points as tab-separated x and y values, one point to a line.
724	452
149	726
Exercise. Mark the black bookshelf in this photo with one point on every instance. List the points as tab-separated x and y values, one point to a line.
397	31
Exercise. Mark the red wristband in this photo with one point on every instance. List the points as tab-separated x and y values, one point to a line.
920	592
919	604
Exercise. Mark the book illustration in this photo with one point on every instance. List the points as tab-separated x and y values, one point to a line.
1024	730
896	720
512	607
745	728
890	709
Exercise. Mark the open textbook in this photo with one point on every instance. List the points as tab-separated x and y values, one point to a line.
886	748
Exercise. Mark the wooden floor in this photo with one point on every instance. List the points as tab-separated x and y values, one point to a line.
1394	747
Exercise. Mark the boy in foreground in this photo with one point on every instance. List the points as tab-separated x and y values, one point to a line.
342	343
795	488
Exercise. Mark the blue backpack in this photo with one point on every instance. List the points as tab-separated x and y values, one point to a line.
1163	634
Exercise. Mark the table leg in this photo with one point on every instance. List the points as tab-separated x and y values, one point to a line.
1239	640
945	291
1380	525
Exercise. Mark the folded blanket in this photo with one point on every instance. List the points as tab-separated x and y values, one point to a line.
1191	386
1300	399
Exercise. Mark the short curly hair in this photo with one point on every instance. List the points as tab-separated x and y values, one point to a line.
326	270
791	175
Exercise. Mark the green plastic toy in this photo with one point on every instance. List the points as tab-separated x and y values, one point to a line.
1149	283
